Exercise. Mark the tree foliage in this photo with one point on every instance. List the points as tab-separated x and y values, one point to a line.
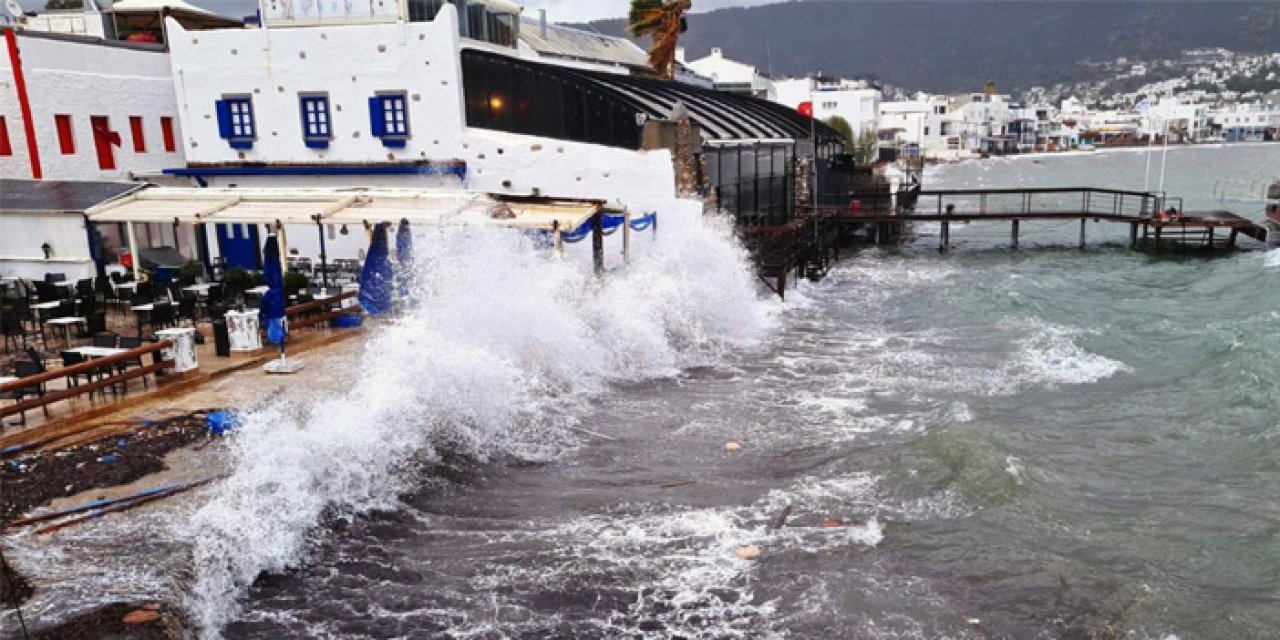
866	149
664	21
842	127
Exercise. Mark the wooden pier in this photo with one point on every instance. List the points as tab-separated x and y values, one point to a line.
1156	222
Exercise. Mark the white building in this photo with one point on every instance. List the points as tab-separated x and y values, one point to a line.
75	108
855	101
733	76
385	101
1249	122
410	96
1181	119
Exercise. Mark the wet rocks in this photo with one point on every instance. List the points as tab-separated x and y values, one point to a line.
141	616
833	523
119	620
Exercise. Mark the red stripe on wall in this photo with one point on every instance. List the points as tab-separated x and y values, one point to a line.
20	83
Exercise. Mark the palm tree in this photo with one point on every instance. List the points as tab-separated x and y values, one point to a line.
664	21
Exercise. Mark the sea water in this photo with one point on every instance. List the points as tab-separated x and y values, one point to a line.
1032	443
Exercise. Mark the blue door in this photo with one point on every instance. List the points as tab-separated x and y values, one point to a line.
238	247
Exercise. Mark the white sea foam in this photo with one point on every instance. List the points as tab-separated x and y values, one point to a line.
1050	354
1272	258
501	333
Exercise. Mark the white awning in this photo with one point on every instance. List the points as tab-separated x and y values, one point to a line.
178	205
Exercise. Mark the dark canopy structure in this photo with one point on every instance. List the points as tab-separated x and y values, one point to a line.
518	96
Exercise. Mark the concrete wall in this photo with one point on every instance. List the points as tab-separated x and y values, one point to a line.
82	78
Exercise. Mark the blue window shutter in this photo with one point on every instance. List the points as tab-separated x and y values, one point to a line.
224	118
377	117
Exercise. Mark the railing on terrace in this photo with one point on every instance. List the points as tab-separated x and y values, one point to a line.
110	364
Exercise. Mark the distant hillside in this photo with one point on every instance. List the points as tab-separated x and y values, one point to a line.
958	46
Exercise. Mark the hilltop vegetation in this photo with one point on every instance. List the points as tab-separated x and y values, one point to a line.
958	46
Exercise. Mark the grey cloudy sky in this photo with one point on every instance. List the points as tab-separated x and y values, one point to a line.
557	10
579	10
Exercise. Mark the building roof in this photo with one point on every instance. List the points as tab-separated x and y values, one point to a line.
721	115
57	196
340	206
576	44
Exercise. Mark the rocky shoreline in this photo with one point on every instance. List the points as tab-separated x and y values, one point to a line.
34	479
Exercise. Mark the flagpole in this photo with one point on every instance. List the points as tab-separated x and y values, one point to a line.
1164	157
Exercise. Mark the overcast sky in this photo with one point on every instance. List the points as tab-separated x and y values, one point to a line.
557	10
580	10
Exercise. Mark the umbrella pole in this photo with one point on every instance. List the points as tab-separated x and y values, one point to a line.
324	258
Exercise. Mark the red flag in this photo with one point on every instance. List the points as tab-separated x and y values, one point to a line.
806	109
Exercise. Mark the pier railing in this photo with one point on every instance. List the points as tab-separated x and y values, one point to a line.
1102	202
1026	203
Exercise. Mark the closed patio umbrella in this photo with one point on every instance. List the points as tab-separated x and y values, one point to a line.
272	314
376	278
404	256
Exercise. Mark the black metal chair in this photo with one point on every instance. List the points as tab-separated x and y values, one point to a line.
106	294
34	356
95	323
105	340
25	369
73	358
12	326
127	342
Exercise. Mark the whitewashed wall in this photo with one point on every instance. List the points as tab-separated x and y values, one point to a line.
83	78
21	237
351	63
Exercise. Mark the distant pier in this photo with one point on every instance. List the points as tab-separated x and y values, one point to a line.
1155	222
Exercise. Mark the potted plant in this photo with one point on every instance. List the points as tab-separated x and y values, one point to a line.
295	282
239	280
188	272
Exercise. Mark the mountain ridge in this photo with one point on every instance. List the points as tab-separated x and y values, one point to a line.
959	46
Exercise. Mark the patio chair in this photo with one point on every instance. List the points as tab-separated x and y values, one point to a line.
106	294
95	323
46	292
25	369
13	328
127	342
73	358
55	277
105	340
35	357
186	310
84	288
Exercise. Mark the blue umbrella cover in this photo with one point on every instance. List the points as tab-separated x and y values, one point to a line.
376	279
272	312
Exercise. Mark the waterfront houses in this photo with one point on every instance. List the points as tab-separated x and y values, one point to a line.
415	97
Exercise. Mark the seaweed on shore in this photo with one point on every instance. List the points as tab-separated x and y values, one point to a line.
35	479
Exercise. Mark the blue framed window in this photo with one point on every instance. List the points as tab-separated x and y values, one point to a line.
235	121
317	129
389	118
